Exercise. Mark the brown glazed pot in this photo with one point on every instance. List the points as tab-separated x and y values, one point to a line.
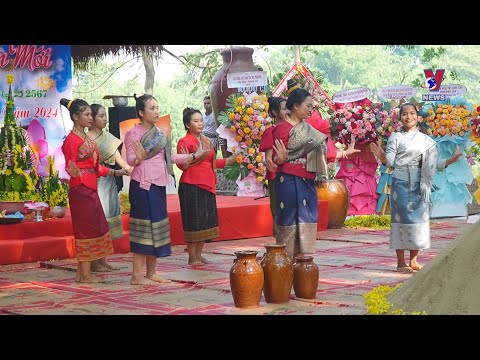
336	193
236	59
246	280
305	277
278	272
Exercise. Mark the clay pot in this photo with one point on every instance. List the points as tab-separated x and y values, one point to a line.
305	277
235	60
278	272
246	280
58	211
336	193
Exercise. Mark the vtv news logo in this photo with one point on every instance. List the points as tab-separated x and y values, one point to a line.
432	83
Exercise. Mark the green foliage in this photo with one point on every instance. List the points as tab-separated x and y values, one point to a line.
369	221
234	171
222	117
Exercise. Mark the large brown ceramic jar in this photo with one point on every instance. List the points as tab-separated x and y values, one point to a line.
305	277
336	193
236	59
246	279
278	272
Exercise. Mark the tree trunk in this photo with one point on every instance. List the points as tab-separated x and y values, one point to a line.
297	53
147	58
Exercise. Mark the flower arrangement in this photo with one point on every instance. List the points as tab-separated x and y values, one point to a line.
449	119
55	192
475	134
18	176
246	116
388	119
357	119
320	101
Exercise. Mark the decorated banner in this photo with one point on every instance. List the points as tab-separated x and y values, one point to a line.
306	81
397	92
351	95
248	81
43	75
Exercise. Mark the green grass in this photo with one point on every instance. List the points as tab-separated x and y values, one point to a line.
369	221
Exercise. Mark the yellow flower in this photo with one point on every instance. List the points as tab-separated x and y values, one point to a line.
258	158
260	179
251	151
8	172
10	79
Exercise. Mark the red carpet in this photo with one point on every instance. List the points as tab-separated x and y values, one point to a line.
238	217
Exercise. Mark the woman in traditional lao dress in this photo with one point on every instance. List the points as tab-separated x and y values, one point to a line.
303	162
277	109
297	204
415	159
107	145
196	191
149	151
90	227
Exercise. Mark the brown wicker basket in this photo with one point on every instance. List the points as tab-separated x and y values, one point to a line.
474	207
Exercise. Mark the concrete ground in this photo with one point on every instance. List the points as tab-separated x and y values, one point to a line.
351	263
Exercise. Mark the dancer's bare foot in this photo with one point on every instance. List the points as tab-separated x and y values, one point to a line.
108	266
103	262
196	263
91	279
158	278
205	261
141	280
404	269
99	268
415	267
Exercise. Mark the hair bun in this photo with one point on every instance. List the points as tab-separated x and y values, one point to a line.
66	102
291	83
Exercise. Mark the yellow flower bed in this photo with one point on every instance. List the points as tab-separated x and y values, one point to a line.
377	303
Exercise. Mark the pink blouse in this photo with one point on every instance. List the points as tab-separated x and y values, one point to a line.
153	170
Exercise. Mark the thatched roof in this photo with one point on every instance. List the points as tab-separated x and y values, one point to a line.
84	55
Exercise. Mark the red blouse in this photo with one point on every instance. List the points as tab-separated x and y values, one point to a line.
265	144
201	174
84	153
